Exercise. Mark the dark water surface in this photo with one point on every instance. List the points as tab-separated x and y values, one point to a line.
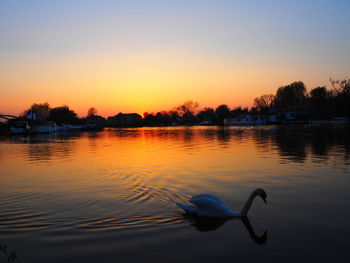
109	196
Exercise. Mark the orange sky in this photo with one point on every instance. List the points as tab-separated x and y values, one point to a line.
137	57
142	82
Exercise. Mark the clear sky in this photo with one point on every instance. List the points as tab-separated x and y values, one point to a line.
136	56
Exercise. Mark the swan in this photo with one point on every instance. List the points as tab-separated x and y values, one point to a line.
207	205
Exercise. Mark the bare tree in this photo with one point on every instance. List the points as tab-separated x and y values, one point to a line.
188	108
341	97
264	102
340	86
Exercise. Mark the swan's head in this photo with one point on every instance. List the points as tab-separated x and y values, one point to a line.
261	192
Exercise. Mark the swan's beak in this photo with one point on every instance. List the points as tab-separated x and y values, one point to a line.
265	200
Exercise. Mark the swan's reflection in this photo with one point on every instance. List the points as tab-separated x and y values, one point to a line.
204	224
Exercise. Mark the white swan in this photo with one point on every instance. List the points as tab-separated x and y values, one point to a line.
208	205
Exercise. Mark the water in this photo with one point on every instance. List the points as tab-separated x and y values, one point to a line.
109	196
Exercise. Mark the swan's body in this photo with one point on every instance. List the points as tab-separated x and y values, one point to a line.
208	205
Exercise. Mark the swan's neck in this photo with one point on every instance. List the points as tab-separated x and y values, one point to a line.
248	204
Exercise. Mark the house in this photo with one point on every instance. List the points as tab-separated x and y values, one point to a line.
290	114
296	116
125	120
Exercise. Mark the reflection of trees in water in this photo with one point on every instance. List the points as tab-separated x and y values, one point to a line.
45	147
295	143
225	135
291	143
93	137
343	140
321	142
40	151
208	134
93	134
263	139
120	132
187	134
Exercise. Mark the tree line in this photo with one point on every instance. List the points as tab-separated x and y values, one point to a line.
190	113
320	103
59	115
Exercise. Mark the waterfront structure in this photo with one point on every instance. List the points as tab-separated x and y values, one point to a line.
125	120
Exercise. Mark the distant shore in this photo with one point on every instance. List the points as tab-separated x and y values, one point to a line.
5	130
292	104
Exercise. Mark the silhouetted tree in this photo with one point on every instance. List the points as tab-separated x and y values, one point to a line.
253	111
319	102
207	114
149	118
163	117
91	112
291	95
341	97
222	112
160	118
62	115
341	86
187	110
145	114
41	110
238	111
174	116
263	103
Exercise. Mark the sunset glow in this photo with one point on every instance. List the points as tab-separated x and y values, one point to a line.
138	56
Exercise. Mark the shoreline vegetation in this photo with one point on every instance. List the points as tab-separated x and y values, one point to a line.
290	104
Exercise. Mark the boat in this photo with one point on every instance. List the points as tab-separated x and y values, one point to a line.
20	127
74	127
43	127
244	121
62	128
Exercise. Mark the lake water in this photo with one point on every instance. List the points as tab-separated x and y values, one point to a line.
110	196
